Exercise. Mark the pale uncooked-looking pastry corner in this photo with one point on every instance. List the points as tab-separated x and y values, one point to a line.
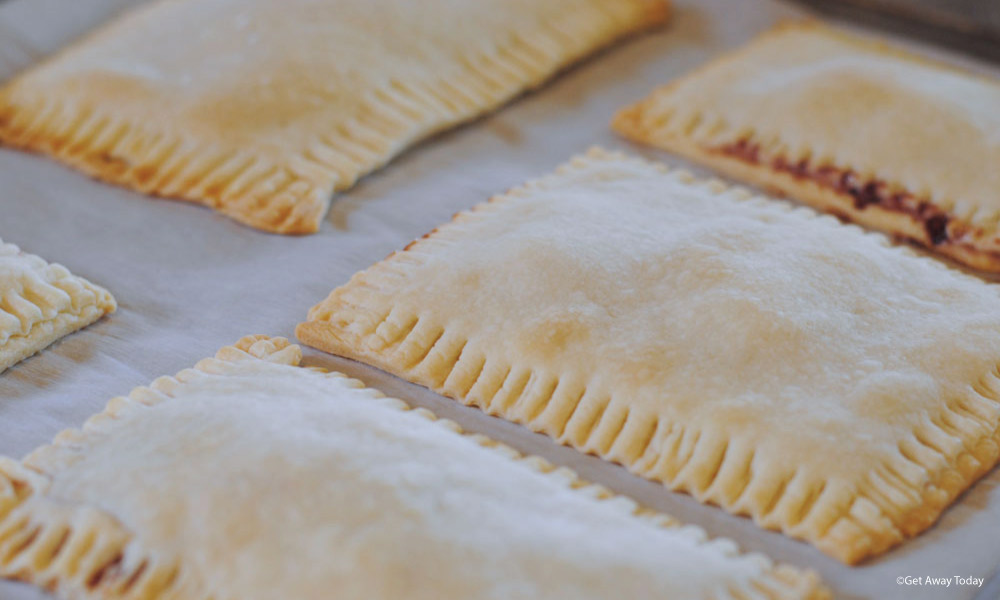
41	303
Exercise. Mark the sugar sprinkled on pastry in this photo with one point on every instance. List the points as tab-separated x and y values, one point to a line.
766	359
250	477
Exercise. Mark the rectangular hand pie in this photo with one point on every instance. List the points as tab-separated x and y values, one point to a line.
262	109
249	477
42	302
768	360
870	133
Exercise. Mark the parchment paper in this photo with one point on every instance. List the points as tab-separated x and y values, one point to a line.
189	281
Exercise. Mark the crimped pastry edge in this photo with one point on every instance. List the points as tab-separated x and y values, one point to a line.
46	332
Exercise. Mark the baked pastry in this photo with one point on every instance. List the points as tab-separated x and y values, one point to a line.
262	109
853	127
724	344
42	302
169	493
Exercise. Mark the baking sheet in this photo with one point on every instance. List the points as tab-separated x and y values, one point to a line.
189	281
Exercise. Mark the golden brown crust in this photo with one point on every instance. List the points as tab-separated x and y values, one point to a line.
920	152
279	201
266	156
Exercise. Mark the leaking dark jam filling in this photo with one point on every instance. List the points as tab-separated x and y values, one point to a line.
844	181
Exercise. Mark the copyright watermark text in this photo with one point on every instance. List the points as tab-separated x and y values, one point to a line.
942	581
